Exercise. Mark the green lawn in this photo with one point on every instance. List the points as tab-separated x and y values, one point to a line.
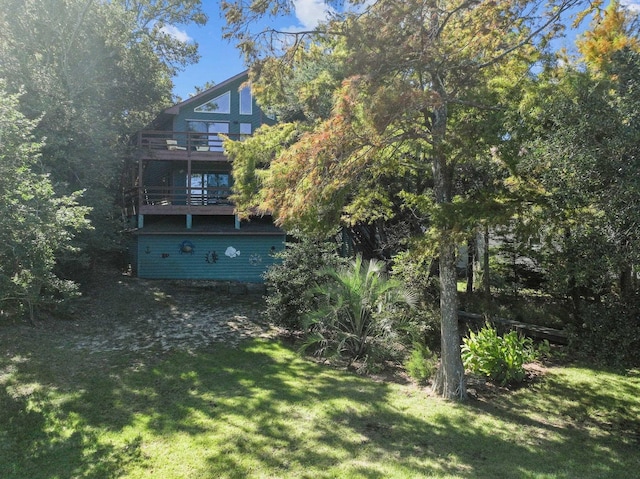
263	411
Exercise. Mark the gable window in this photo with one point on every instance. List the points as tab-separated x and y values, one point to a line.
246	106
219	104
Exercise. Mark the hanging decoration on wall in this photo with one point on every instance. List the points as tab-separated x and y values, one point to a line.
231	252
255	259
211	257
187	247
147	250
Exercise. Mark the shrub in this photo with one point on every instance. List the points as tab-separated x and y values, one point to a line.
500	358
421	323
290	282
609	332
354	311
421	364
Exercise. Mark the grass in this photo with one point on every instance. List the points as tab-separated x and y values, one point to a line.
262	411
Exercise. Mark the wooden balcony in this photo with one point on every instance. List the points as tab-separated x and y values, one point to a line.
182	145
212	201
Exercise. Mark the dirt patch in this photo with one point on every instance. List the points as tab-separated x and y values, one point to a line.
123	313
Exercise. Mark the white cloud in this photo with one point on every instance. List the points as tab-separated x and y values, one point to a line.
176	33
633	5
311	12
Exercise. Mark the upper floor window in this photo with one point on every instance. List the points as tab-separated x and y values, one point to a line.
246	106
245	130
219	104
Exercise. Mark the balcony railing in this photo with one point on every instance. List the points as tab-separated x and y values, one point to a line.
184	141
181	196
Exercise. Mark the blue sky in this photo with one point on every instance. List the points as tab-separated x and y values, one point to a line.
221	60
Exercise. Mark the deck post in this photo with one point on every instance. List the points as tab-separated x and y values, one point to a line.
189	221
237	222
140	221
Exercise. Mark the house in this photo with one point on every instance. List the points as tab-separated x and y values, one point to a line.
182	223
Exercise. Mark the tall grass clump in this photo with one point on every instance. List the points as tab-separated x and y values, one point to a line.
353	320
422	363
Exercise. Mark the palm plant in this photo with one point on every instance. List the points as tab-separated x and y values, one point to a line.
351	311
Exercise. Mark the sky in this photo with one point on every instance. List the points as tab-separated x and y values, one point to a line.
221	60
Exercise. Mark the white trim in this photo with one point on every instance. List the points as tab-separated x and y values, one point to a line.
202	108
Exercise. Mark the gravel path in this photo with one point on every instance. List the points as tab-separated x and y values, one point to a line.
129	314
185	325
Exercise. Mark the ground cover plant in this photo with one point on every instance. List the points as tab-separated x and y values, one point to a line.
256	408
500	358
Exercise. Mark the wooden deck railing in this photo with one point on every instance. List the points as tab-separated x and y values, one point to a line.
194	196
187	141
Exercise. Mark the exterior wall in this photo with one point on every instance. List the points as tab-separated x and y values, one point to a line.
229	257
162	254
234	118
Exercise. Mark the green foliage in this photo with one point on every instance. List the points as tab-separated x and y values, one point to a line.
421	323
289	283
250	160
500	358
584	222
93	72
411	124
353	311
609	334
36	225
421	364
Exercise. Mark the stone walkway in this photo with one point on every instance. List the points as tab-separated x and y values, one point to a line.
185	320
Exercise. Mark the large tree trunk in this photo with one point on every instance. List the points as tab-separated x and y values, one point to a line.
449	381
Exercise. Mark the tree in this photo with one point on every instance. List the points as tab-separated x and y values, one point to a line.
611	31
35	223
423	84
92	72
584	164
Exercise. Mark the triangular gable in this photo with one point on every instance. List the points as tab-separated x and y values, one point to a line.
175	109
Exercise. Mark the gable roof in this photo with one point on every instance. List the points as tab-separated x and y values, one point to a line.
175	109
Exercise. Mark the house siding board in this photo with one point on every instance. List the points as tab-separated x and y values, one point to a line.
234	118
160	257
157	173
188	113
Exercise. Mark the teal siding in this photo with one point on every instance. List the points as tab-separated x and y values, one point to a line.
160	256
234	118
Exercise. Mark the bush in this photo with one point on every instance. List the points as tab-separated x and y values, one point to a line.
420	324
609	333
290	282
421	364
501	359
354	312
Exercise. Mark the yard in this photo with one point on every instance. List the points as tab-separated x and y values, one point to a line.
175	380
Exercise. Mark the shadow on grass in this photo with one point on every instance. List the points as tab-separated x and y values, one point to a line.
582	398
261	411
35	445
